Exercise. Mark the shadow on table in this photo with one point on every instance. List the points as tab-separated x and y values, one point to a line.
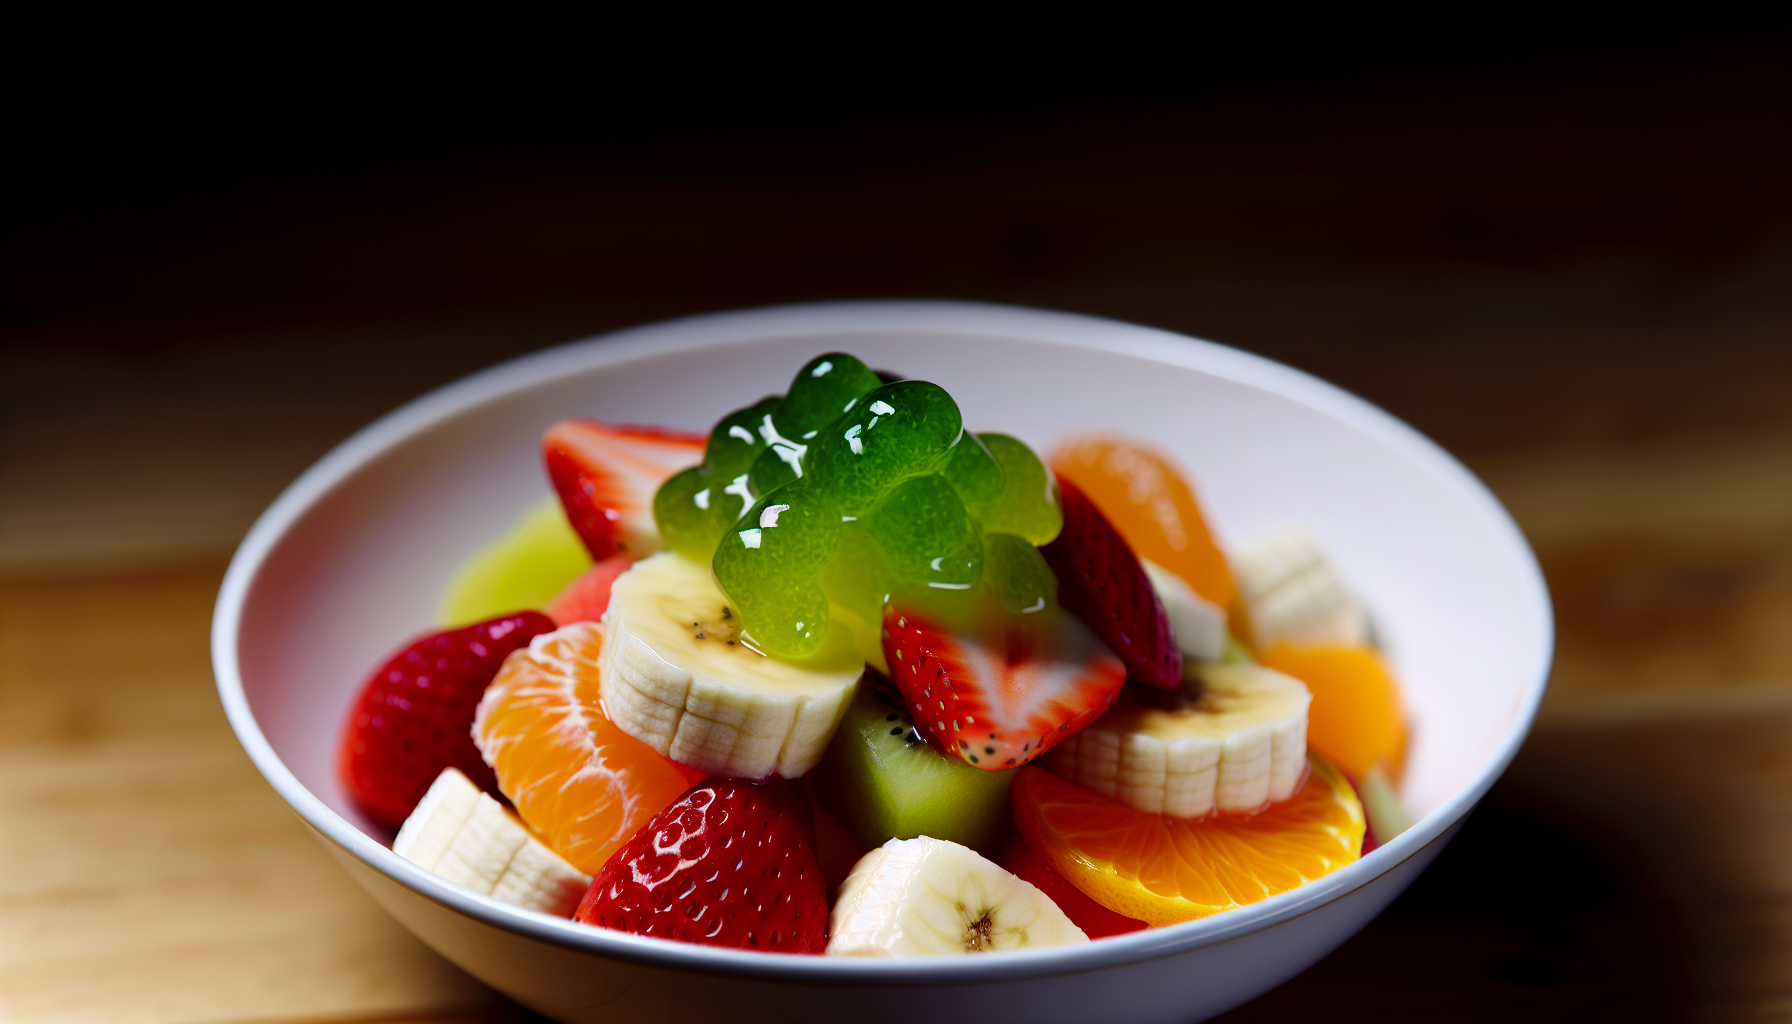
1630	866
1527	915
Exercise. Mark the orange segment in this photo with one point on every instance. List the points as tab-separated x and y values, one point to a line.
582	784
1152	506
1355	718
1162	870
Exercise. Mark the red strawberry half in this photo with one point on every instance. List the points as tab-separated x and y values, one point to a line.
415	714
998	701
1101	582
730	863
606	476
1096	921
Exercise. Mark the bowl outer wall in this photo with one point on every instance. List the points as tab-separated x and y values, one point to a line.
1191	985
263	628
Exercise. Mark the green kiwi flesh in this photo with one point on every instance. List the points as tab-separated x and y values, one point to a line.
882	781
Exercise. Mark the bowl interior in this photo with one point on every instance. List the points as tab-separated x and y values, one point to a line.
1453	589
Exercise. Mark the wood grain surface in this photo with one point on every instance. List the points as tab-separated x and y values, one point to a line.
148	874
1625	389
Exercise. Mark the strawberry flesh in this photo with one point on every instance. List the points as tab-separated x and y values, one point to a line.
606	476
998	699
1101	582
1096	921
414	716
586	598
729	863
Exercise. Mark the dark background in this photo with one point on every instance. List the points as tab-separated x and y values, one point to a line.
1532	241
1361	204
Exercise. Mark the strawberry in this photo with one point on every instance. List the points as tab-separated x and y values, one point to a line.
1096	921
730	863
415	714
1101	582
606	476
999	698
586	598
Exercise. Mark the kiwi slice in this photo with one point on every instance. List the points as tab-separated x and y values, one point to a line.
882	781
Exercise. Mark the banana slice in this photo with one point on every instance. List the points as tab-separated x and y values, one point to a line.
676	675
468	838
1238	742
1198	624
1291	593
929	897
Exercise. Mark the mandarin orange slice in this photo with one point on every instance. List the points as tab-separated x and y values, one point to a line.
581	783
1151	504
1163	870
1355	717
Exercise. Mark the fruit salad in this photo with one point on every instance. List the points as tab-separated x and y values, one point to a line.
843	678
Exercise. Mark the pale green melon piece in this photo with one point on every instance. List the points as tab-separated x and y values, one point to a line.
523	569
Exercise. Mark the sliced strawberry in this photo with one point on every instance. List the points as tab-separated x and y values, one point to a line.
999	701
1096	921
730	863
586	598
415	714
606	476
1101	582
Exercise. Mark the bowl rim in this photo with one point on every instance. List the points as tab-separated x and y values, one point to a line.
918	316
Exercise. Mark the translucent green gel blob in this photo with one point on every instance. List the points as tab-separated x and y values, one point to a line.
820	393
855	578
1018	575
694	508
684	509
775	467
1027	506
738	438
898	431
524	568
974	473
769	564
925	537
855	492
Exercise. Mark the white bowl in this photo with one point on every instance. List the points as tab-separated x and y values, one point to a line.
351	559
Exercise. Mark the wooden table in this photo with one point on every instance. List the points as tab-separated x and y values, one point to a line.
1636	863
1640	850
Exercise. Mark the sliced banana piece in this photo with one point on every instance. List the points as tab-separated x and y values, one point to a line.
676	675
1292	594
1238	741
929	897
463	835
1198	624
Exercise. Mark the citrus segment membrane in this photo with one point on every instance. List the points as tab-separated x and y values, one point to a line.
1164	870
583	785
